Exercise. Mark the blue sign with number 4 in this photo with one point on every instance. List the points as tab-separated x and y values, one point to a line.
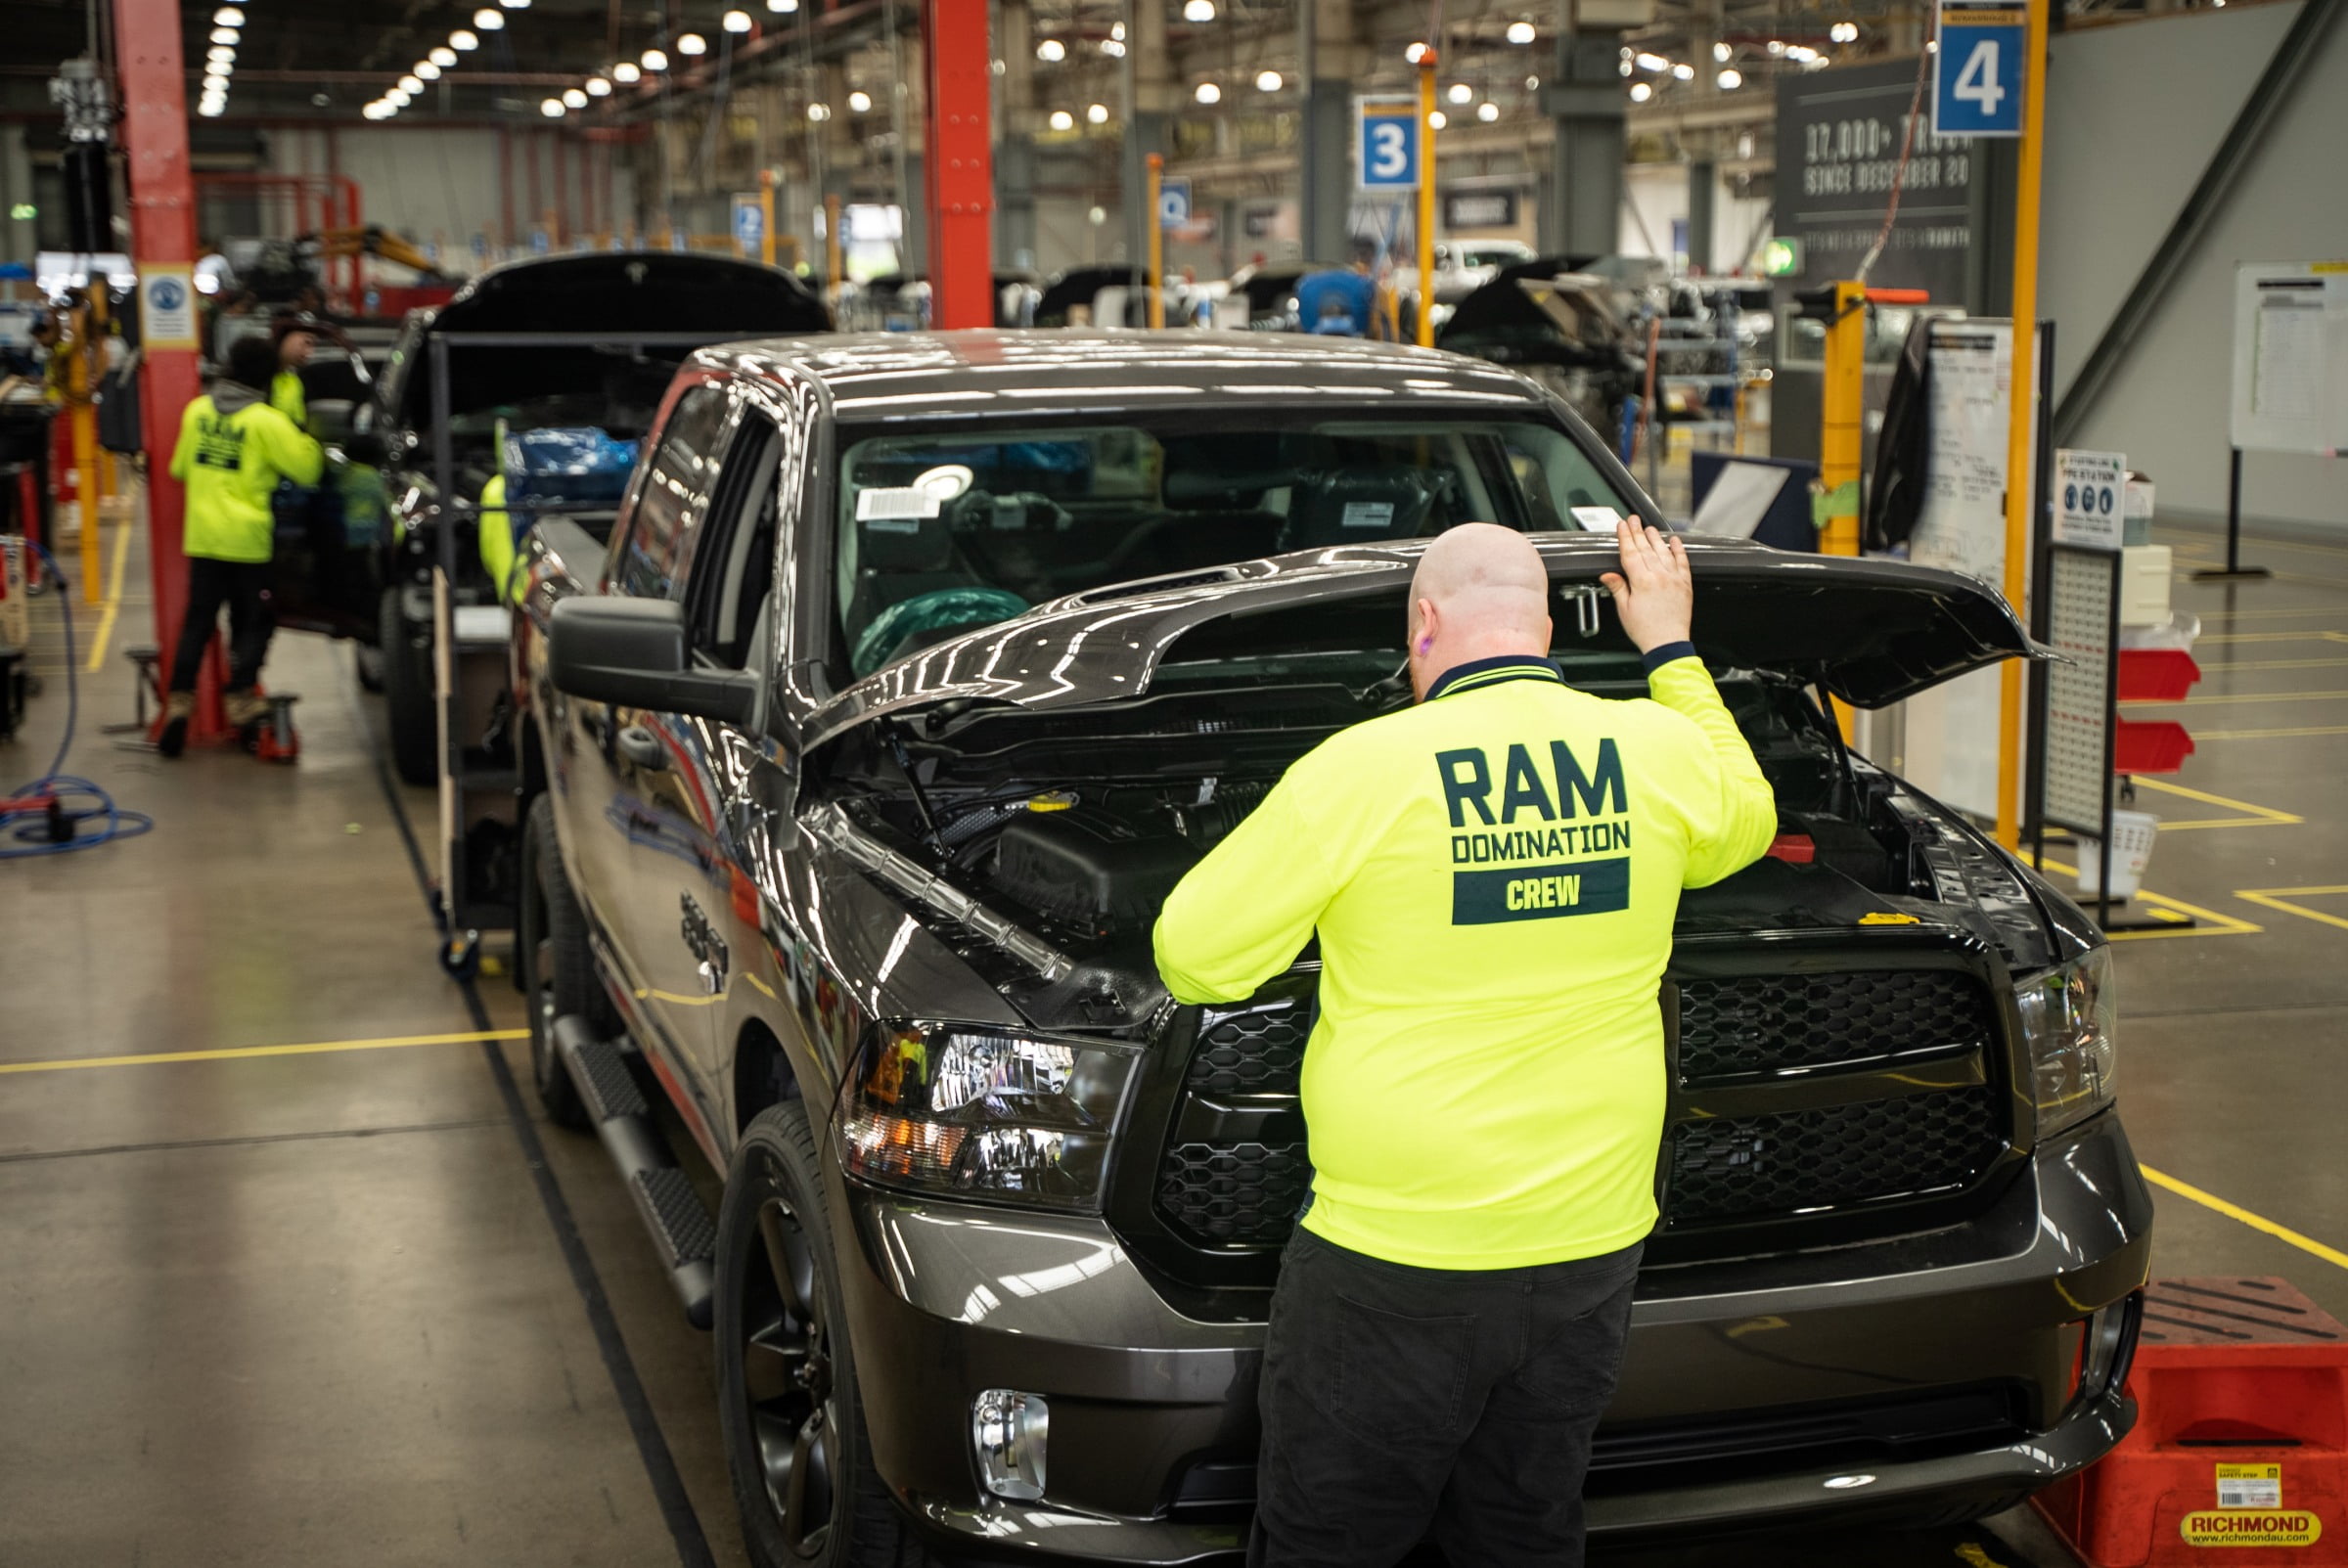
1386	143
1977	78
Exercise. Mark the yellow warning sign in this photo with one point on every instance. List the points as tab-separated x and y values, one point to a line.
2251	1527
2249	1485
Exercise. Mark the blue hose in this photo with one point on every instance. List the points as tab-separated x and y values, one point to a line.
29	827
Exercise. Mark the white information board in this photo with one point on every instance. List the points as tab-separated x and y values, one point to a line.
2290	357
2079	689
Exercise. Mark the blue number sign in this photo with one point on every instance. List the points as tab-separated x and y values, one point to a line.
1977	79
1386	143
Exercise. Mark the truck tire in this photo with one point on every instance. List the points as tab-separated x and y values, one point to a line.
415	728
788	1412
555	964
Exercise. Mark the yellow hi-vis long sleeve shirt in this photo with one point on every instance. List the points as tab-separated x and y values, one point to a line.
233	449
1494	874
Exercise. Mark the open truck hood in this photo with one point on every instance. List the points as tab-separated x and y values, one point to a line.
1871	632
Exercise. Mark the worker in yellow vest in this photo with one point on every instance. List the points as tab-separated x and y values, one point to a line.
495	537
233	449
295	341
1493	873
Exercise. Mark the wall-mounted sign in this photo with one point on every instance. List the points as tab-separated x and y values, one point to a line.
1479	209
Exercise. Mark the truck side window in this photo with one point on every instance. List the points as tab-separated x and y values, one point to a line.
734	569
675	494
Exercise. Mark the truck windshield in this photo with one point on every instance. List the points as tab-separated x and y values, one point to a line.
940	532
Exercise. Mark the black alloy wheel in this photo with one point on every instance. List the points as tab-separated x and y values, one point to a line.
787	1374
789	1410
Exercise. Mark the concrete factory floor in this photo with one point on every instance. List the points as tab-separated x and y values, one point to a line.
292	1271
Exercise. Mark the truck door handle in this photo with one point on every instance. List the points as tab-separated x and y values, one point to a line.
642	748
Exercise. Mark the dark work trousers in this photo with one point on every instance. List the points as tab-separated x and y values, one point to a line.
1397	1399
244	587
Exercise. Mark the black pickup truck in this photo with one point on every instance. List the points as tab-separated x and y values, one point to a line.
915	670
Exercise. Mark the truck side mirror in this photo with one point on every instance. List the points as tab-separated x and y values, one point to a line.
631	653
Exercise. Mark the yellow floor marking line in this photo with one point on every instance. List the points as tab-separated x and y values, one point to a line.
2270	735
2275	664
2271	637
2161	907
237	1052
114	599
2253	816
2268	614
2235	1211
2279	898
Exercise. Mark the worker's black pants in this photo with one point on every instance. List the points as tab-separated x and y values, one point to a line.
1398	1401
242	585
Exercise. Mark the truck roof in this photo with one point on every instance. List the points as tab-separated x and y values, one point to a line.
883	376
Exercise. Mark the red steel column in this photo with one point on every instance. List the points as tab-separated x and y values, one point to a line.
163	227
959	162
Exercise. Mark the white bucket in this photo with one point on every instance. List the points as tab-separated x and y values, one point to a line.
2131	847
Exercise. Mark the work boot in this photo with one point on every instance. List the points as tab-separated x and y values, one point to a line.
178	708
245	711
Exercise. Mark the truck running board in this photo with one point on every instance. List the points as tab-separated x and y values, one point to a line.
672	1211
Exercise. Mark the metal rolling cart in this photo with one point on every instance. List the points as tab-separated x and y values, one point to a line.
480	784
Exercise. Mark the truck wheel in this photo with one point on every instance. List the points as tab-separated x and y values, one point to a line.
408	696
555	965
371	667
788	1409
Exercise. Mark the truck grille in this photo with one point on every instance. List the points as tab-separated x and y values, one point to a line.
1244	1192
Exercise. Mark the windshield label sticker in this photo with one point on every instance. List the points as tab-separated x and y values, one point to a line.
2251	1527
1541	892
1598	519
896	511
2249	1485
1367	515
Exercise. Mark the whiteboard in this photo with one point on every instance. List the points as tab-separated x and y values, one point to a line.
2290	357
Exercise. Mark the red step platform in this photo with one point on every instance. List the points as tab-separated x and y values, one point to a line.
2239	1456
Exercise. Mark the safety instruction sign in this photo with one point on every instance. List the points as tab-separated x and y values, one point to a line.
168	305
2089	488
1977	78
2249	1485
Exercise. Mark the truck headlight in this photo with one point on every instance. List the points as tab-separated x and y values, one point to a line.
985	1112
2068	1015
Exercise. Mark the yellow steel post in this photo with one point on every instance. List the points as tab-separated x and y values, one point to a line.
2020	424
1844	402
82	348
1425	315
766	216
1158	244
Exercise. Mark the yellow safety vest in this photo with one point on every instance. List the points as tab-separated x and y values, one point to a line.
1494	874
287	398
231	463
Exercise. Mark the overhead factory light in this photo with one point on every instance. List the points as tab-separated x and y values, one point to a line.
782	8
1116	30
1415	53
598	87
515	5
224	35
1626	68
552	108
396	98
443	57
1776	46
573	98
1800	52
1729	79
1050	51
1436	120
1844	32
1487	112
819	112
860	102
654	59
1641	92
691	43
426	71
1267	81
1063	120
1651	62
221	55
228	16
489	18
1208	93
1460	93
737	22
1113	48
209	110
1722	52
375	111
466	39
411	85
628	73
1683	72
1096	115
1521	32
1532	84
1198	10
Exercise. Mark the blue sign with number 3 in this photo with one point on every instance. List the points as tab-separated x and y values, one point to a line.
1386	143
1977	78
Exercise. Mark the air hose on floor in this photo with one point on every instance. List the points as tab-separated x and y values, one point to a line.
61	812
